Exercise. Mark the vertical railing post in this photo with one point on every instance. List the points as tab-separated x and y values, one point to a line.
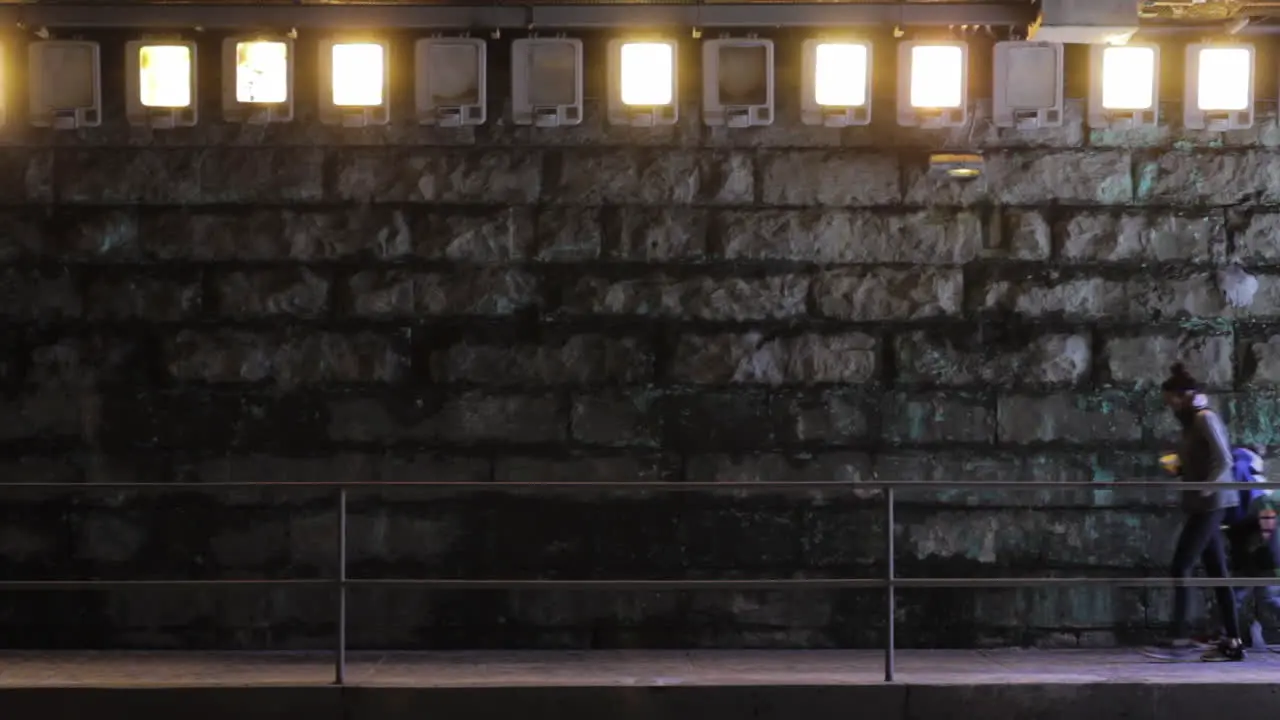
889	586
340	659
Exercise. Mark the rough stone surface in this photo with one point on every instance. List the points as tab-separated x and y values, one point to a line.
300	302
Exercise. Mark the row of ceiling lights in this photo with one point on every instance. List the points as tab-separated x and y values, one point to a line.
64	82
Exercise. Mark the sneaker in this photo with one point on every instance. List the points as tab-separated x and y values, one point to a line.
1172	650
1227	651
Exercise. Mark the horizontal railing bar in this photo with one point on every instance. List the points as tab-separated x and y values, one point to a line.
657	585
496	15
797	485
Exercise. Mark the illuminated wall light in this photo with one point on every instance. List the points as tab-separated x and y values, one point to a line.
4	87
160	80
355	86
1124	86
451	83
64	84
1028	85
1219	87
737	82
933	84
546	81
836	86
257	79
643	82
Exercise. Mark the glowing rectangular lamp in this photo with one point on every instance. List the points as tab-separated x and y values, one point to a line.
1028	84
257	79
355	88
935	77
160	80
836	85
450	86
546	81
1219	87
737	82
4	87
1124	86
643	87
64	82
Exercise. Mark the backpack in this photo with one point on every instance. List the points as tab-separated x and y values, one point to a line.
1246	466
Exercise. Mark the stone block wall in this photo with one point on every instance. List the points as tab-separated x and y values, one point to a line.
503	304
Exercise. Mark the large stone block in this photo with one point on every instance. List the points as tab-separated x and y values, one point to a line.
830	178
947	359
496	177
126	296
489	235
494	292
1212	177
653	177
286	358
577	360
568	234
615	468
297	292
838	236
1263	365
757	358
29	173
616	418
704	298
828	417
1140	237
1075	177
49	413
1069	419
771	467
1256	243
655	234
182	176
1144	360
923	419
472	417
869	295
39	294
86	235
1098	538
1026	234
718	422
1135	299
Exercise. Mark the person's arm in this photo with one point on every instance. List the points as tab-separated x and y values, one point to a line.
1212	429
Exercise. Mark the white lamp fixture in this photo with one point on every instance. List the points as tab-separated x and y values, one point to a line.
1219	87
1028	85
451	81
355	87
836	84
737	82
933	84
64	79
160	82
643	89
546	81
1124	86
257	79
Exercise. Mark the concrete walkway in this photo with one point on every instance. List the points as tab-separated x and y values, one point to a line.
616	669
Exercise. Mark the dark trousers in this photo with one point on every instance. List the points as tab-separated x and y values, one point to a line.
1201	539
1251	556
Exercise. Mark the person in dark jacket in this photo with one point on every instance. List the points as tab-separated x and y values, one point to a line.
1205	458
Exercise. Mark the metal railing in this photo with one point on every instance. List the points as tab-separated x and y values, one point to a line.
889	583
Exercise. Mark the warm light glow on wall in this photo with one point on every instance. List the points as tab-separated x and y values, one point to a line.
1128	78
647	72
262	72
164	76
1225	79
937	76
358	74
840	74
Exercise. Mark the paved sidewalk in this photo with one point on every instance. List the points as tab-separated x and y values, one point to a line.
617	668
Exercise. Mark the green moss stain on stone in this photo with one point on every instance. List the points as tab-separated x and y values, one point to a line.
1099	474
1148	176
